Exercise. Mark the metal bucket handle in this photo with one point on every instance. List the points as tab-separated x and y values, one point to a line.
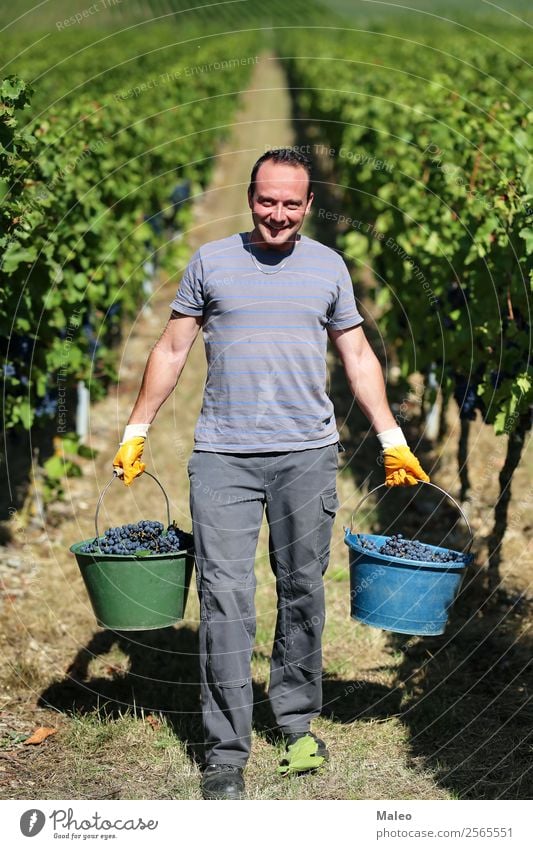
116	475
427	483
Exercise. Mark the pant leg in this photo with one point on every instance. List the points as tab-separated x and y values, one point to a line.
301	507
227	500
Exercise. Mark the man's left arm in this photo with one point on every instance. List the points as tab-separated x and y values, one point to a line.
365	379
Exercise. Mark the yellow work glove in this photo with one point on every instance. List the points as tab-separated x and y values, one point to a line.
402	467
127	461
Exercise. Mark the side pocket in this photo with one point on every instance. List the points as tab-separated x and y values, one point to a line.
329	504
189	464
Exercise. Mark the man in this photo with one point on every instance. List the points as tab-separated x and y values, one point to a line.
266	438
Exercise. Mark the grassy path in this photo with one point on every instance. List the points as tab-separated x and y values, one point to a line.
399	713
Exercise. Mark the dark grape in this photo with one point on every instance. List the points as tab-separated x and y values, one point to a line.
410	549
465	393
145	535
457	295
47	405
368	544
449	323
88	331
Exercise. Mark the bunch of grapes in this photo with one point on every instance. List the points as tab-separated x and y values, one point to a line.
411	549
145	536
368	544
47	405
466	395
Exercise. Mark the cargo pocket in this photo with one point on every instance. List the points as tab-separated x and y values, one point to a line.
305	623
230	628
329	504
227	667
308	670
228	673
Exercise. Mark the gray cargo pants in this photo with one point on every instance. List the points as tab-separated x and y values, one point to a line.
227	497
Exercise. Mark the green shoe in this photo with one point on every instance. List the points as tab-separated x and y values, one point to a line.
305	753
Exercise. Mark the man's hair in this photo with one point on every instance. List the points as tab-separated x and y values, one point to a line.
286	156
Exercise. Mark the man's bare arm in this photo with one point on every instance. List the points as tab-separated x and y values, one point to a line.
364	375
165	365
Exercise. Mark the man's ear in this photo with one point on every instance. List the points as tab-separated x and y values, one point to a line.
250	199
309	202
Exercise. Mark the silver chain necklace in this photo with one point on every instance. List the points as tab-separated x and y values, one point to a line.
279	268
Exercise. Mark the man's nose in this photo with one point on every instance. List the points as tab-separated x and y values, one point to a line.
278	213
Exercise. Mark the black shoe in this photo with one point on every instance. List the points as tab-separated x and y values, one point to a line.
223	781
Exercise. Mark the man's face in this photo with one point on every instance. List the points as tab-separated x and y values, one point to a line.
279	204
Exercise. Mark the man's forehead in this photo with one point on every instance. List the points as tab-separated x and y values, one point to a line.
274	176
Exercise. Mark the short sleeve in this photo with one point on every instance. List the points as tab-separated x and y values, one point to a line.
344	312
190	295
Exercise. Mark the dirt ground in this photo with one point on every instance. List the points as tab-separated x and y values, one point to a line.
404	717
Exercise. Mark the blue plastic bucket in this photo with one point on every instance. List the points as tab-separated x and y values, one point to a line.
406	596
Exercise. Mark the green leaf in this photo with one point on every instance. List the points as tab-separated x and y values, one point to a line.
524	383
41	384
433	244
15	89
499	422
72	470
23	412
527	235
54	467
15	255
70	443
87	453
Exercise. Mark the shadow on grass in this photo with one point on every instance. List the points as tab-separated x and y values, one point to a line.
358	700
161	677
467	698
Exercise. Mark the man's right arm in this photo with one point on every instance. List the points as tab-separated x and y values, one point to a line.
161	374
165	365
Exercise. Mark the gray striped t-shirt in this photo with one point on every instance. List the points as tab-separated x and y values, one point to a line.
265	338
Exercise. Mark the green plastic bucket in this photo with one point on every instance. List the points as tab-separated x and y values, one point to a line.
135	593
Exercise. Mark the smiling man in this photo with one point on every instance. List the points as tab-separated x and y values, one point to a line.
265	441
279	201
